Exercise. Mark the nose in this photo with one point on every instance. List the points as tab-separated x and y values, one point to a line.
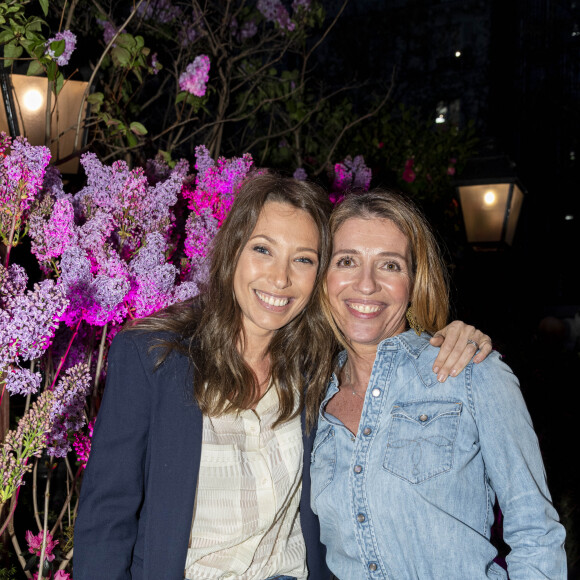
366	281
279	275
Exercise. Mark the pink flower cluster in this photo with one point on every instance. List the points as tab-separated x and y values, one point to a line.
35	544
409	174
216	183
195	77
350	174
70	43
82	443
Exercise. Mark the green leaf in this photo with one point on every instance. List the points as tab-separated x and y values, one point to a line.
59	81
95	99
121	56
34	69
44	6
57	46
6	36
132	140
11	51
180	97
138	128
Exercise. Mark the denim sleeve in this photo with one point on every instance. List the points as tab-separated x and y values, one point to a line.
113	483
516	473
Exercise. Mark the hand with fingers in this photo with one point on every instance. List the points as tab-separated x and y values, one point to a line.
459	343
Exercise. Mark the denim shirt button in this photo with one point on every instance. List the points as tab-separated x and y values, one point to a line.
423	418
360	518
357	468
376	392
372	566
367	431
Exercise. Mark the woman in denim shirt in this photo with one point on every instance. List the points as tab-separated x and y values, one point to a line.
405	469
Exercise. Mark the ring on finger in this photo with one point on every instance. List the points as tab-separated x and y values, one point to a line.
469	341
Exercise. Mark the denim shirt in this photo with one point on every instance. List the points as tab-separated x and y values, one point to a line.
412	495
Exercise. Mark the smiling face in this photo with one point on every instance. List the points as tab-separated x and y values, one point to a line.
277	268
369	281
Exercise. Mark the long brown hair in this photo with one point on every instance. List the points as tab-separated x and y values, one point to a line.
210	327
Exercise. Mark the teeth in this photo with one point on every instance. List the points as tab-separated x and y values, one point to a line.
272	301
364	308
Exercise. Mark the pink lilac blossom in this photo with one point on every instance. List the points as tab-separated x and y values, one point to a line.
35	544
82	443
67	411
351	173
51	237
58	575
196	75
216	183
156	66
300	174
248	29
70	42
408	174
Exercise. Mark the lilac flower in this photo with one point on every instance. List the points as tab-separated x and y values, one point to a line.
300	174
200	232
70	42
28	321
162	11
249	29
20	444
51	237
109	30
52	183
351	173
22	168
66	413
82	443
274	11
195	77
216	183
298	4
156	66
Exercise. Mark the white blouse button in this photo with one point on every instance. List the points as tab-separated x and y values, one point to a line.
376	392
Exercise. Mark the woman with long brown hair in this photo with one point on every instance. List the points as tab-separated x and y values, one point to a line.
196	465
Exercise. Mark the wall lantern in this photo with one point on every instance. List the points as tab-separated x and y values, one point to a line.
23	112
491	198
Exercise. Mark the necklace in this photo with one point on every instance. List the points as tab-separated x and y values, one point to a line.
347	372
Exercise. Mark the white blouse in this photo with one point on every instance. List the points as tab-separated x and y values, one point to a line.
245	522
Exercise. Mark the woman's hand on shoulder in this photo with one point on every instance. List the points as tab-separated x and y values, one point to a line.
459	343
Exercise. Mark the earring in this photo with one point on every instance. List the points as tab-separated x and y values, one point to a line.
413	322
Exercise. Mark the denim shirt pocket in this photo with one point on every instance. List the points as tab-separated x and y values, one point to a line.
421	438
322	461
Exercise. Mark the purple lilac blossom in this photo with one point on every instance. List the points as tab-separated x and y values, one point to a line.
51	237
200	232
195	77
28	321
22	171
156	66
297	4
109	30
52	183
162	11
67	411
70	42
274	11
32	429
300	174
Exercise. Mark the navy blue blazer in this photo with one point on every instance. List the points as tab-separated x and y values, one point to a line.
138	490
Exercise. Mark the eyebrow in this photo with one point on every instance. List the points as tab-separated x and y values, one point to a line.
273	241
381	255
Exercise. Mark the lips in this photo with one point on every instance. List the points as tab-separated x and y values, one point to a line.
272	301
